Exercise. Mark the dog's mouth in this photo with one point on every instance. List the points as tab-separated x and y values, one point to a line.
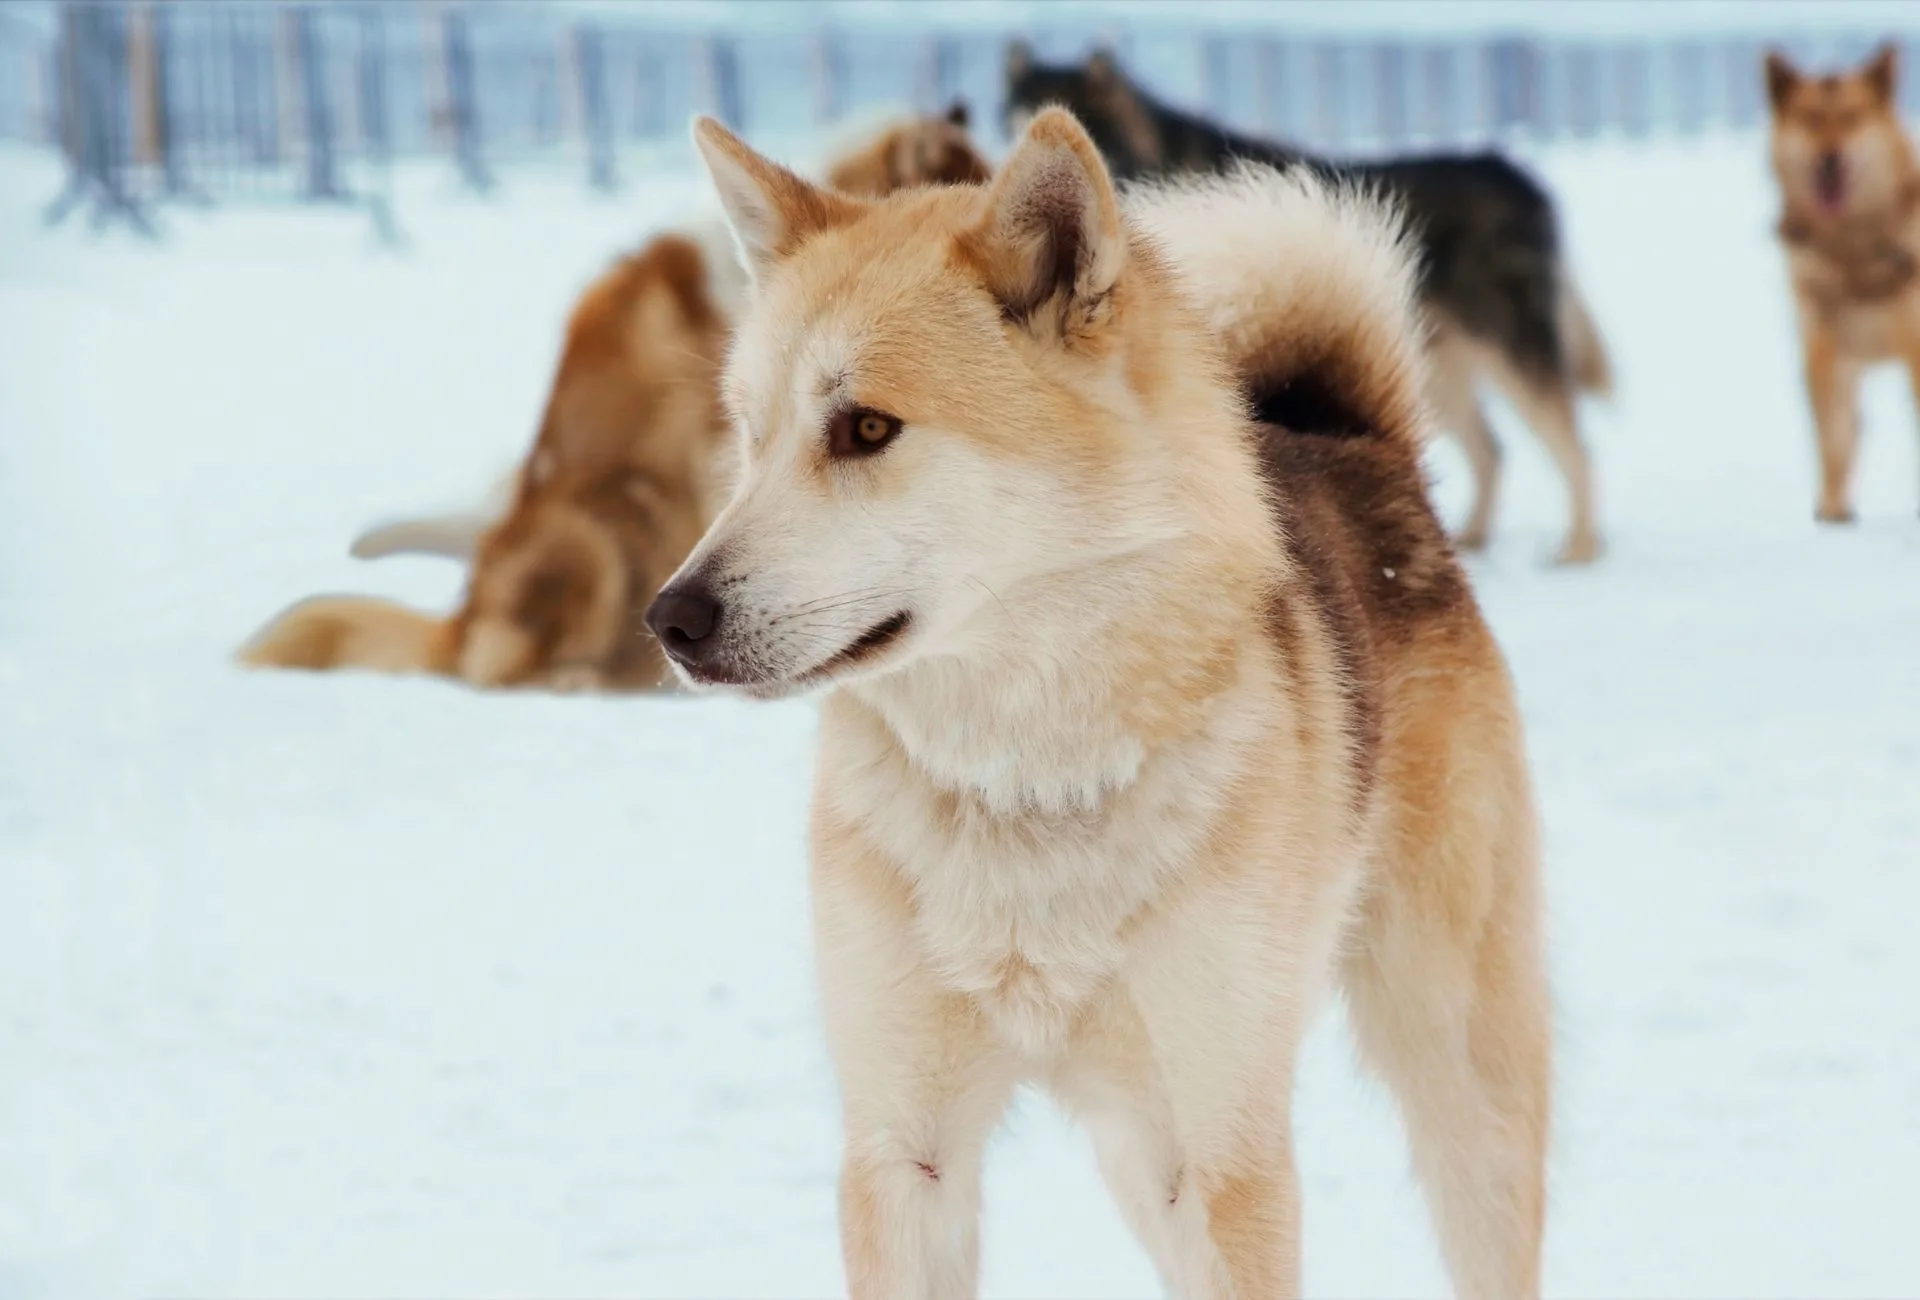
867	646
1830	182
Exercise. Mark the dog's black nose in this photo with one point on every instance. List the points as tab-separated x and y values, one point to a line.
684	618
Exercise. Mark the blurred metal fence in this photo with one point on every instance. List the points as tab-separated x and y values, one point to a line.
197	101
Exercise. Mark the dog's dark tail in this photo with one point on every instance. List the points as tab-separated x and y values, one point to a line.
1311	287
1587	361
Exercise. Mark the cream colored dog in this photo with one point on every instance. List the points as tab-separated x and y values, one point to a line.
1151	716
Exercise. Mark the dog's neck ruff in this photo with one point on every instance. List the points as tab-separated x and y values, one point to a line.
1871	262
1055	730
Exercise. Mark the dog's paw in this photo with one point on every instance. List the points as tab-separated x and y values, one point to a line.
1582	549
573	679
1831	513
1470	539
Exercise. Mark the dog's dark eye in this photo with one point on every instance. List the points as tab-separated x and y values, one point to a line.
860	431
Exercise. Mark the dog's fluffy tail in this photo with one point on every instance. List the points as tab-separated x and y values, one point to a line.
1587	361
326	632
454	536
1311	288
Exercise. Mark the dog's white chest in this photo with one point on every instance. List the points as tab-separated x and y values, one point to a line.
1030	914
1030	925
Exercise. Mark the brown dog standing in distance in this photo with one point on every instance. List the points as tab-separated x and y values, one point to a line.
1149	720
1850	190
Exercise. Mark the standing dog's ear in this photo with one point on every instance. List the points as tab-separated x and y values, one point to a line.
1782	77
1103	69
1882	71
770	210
1050	247
1019	59
957	114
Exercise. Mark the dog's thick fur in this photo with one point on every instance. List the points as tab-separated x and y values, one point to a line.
1158	701
1500	304
1850	223
624	476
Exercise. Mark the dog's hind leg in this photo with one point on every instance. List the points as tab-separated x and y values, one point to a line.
1456	405
1447	992
1911	354
1546	404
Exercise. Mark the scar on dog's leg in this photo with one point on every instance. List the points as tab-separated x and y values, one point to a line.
1210	1230
910	1181
923	1083
1833	390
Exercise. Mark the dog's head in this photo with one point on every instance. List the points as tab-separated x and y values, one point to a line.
930	391
1837	141
1097	92
929	150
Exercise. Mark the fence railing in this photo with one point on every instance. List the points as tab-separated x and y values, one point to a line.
202	101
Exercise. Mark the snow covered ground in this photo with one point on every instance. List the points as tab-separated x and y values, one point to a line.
351	986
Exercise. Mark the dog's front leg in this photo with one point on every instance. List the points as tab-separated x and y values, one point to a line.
1218	1209
923	1082
1832	390
1910	353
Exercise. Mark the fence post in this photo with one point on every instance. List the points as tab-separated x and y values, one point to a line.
1690	72
1216	76
941	74
828	72
253	86
1632	90
546	97
1442	93
1330	91
591	57
169	118
1390	71
96	64
1515	90
1742	59
723	73
375	130
461	104
1270	84
317	116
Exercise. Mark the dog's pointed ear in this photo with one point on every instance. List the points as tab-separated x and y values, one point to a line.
1782	77
770	210
1103	69
1019	59
1883	70
958	114
1051	232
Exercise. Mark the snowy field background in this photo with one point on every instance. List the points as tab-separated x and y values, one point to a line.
361	987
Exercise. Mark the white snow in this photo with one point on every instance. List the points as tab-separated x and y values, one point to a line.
351	986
